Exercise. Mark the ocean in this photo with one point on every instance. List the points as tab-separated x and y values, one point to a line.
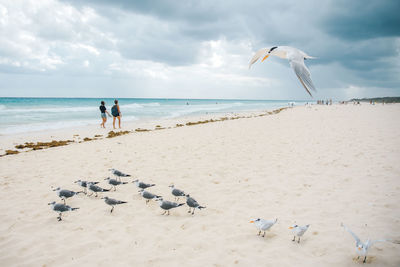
22	115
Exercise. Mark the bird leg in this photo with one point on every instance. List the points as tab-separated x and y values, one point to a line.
115	188
90	194
193	211
294	238
164	212
259	232
112	209
95	195
263	234
147	201
365	258
298	241
63	200
167	212
59	217
190	209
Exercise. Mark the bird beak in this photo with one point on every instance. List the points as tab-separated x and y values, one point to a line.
265	58
291	227
359	248
251	221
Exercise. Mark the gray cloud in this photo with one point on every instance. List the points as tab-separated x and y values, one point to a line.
363	20
157	44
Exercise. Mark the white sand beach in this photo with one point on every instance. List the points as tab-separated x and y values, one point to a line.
321	166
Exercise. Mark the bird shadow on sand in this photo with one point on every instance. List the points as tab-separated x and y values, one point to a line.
370	259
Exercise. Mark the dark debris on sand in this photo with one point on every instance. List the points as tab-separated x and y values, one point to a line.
113	134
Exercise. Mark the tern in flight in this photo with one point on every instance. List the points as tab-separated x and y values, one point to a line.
296	59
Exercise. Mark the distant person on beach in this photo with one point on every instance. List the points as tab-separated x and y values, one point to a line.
116	113
103	112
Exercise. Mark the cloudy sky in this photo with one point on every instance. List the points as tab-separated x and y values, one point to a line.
197	49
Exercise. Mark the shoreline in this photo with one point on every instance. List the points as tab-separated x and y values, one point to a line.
8	143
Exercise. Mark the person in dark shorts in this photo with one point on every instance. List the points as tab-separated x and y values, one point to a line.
103	112
116	112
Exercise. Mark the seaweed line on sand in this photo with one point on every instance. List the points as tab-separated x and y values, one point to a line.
112	134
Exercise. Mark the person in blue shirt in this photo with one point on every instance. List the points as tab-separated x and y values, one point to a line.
116	112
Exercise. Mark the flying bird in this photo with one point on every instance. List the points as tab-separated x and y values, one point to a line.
362	248
263	225
299	231
296	59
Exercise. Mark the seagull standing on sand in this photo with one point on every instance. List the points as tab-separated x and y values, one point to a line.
114	183
64	193
167	205
142	185
147	195
112	202
176	192
60	208
362	248
263	225
95	189
296	59
84	184
118	173
298	231
192	203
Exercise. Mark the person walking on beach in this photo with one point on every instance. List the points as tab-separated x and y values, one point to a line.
103	112
116	113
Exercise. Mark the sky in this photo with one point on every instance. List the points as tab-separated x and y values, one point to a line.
197	49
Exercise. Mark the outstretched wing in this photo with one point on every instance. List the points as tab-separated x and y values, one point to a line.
353	234
303	74
257	55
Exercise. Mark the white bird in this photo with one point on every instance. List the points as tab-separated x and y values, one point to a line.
362	248
263	225
296	59
298	231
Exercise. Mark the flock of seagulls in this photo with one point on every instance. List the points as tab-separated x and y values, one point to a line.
94	188
262	225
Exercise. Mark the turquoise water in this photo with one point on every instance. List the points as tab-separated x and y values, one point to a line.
20	115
